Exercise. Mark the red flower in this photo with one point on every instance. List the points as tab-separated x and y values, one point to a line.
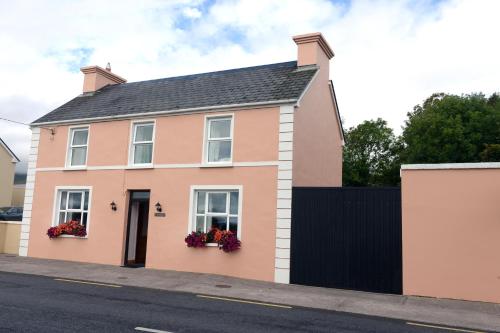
226	240
68	228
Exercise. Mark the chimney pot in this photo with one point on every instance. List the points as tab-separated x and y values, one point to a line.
108	67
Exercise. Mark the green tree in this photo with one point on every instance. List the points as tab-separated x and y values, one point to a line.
449	128
371	155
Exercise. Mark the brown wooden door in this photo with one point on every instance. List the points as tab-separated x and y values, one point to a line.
137	229
142	233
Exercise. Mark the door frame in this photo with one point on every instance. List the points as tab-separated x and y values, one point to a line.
127	236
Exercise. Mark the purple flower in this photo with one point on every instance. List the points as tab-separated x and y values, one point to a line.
196	239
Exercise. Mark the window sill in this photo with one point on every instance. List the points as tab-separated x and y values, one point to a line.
72	236
217	165
134	167
211	245
75	168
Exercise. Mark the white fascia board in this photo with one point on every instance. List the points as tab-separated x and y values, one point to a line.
169	112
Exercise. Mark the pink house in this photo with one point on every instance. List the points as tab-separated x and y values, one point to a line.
143	164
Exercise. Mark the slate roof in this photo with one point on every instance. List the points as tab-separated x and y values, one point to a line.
267	83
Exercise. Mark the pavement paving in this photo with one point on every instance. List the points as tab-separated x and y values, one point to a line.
454	313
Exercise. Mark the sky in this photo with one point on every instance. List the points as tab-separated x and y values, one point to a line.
389	55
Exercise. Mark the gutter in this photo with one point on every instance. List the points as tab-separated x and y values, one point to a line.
172	112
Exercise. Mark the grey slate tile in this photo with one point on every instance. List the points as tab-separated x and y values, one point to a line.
281	81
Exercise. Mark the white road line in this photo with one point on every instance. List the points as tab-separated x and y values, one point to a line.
245	301
443	327
92	283
152	330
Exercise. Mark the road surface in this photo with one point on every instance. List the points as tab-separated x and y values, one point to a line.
30	303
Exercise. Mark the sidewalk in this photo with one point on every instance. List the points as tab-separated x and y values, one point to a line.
474	315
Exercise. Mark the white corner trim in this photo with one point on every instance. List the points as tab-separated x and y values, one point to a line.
28	195
284	196
456	166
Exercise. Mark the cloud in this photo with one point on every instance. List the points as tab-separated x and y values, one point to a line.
390	55
191	12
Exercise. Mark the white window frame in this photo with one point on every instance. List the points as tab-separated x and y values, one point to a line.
132	143
57	201
70	146
206	134
214	188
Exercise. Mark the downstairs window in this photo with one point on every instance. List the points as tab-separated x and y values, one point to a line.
217	209
72	205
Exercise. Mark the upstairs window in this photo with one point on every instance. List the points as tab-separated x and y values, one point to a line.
219	140
142	143
78	146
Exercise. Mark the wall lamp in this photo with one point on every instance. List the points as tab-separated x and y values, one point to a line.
113	205
158	207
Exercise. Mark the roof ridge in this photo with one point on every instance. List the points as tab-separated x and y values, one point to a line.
273	65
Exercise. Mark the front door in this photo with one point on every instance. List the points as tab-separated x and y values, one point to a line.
137	229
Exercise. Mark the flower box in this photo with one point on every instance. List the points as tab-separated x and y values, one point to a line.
73	228
225	239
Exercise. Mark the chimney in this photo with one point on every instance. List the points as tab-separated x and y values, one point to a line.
96	77
312	49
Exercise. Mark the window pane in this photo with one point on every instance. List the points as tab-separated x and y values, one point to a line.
64	195
75	200
80	137
233	204
143	153
86	201
200	223
219	151
74	217
201	202
140	195
84	220
217	202
62	217
233	224
78	155
220	128
144	133
219	222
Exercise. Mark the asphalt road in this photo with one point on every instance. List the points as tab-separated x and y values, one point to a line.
40	304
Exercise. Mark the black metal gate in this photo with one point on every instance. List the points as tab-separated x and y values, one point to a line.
347	238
